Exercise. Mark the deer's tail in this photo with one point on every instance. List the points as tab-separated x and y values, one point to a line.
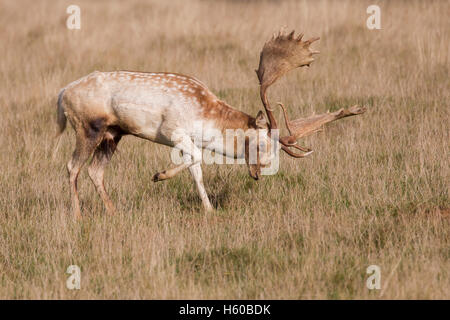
61	120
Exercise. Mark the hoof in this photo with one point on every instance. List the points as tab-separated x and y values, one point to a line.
158	176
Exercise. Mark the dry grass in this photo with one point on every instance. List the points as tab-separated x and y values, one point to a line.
374	192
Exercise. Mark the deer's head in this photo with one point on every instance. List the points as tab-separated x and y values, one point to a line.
258	146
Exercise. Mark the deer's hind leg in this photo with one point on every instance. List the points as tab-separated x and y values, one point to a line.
88	137
96	169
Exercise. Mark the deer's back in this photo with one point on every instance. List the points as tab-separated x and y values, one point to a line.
150	105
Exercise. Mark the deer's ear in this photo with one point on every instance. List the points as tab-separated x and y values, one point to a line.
260	121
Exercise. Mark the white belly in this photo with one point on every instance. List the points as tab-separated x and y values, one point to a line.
155	114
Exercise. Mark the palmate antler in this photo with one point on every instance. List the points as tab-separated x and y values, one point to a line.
303	127
282	53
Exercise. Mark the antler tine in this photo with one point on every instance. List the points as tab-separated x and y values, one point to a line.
291	140
295	155
308	42
291	35
281	31
286	119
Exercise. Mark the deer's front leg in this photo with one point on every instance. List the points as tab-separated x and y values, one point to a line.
192	160
191	155
169	173
196	172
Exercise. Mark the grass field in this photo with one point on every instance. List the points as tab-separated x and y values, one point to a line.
376	190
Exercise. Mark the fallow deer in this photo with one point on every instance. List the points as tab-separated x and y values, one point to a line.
162	107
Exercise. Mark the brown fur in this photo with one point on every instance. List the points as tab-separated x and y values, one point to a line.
225	116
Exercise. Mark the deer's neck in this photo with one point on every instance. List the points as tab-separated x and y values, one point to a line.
226	117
